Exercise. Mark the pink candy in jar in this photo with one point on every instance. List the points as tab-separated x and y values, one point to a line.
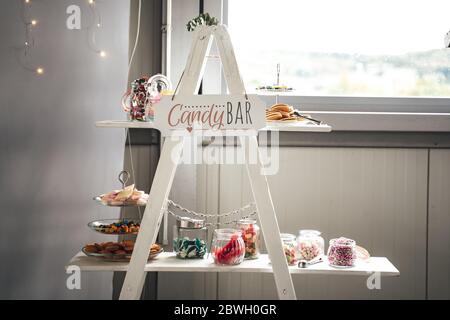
310	245
342	252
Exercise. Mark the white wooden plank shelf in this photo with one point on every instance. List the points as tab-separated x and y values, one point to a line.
168	262
292	126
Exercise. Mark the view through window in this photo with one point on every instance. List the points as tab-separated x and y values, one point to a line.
344	47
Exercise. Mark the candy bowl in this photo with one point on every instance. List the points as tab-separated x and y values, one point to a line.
310	245
251	236
289	244
189	238
115	226
228	247
342	253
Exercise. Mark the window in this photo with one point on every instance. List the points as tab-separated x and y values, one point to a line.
379	48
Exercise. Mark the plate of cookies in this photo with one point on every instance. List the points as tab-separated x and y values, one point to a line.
126	197
284	113
117	251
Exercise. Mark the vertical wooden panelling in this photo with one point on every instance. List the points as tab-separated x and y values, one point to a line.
376	196
439	225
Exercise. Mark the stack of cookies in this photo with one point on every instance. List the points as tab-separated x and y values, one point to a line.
282	112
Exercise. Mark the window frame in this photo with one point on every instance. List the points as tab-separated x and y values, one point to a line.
343	113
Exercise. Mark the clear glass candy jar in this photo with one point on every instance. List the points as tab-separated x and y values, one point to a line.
228	247
251	236
342	252
189	238
310	245
289	245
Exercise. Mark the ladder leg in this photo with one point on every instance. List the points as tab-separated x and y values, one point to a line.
268	220
162	183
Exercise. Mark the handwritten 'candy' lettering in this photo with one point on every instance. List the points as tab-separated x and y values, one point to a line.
180	114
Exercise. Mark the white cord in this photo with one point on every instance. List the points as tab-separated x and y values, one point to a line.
127	131
136	39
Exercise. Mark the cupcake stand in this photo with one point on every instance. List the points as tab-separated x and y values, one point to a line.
244	115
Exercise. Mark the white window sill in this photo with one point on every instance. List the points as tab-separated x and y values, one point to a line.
372	113
384	121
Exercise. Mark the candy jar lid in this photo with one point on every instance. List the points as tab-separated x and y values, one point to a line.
287	237
307	232
189	223
342	241
227	233
247	221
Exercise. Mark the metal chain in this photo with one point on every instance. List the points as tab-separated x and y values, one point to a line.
176	216
204	215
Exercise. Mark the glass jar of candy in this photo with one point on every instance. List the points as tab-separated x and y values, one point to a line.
228	247
310	245
251	236
189	238
289	245
342	252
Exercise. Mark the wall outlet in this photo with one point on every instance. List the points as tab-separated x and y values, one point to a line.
447	40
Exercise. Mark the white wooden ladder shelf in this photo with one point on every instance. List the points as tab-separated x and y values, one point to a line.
242	115
230	113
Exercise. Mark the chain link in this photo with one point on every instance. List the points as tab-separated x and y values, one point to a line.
250	205
176	216
204	215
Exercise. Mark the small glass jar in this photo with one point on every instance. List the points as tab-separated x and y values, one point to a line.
342	252
228	247
289	245
310	245
189	238
251	236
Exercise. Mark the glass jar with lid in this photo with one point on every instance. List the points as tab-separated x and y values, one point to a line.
310	245
228	247
289	245
251	236
342	252
189	238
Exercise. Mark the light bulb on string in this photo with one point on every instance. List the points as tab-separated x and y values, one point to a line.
25	57
95	25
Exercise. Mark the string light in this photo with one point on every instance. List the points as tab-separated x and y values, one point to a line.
96	24
40	70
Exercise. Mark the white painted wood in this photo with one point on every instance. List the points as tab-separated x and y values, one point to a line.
182	113
267	218
299	127
439	225
168	262
153	213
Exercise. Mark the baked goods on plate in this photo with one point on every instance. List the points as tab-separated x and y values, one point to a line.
285	113
117	251
128	196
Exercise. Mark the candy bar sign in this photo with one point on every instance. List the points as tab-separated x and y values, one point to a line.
186	113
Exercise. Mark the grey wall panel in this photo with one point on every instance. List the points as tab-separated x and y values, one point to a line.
53	160
439	226
376	196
